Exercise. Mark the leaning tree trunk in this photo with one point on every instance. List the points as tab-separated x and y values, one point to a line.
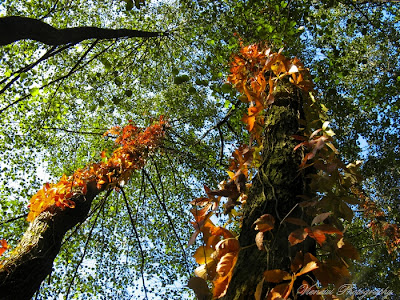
275	190
32	260
15	28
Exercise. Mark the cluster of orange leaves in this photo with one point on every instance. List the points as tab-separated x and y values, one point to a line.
135	144
379	225
217	257
255	72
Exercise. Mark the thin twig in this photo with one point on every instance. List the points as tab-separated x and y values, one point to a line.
83	255
169	219
138	239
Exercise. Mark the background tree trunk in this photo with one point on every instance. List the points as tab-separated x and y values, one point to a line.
274	191
16	28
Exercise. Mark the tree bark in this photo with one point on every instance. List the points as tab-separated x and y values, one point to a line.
16	28
32	260
274	191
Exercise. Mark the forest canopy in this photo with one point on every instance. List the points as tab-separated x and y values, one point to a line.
131	62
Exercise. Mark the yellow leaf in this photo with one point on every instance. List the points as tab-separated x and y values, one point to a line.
203	255
312	265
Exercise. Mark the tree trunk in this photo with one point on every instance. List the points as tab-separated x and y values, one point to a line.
32	260
274	191
16	28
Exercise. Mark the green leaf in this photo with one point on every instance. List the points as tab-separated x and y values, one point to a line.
192	90
181	79
128	93
226	88
175	71
129	5
34	91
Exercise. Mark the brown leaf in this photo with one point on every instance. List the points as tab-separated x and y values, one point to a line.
278	292
348	250
200	287
297	262
276	275
296	221
297	236
200	201
207	271
257	294
264	223
260	241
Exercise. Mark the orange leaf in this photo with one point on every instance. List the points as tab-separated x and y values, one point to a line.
276	275
278	292
225	265
226	246
312	265
4	246
264	223
222	231
222	282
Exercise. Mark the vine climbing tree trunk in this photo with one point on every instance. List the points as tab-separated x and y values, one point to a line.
57	208
275	191
32	260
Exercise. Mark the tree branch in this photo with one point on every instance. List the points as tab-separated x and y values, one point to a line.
17	28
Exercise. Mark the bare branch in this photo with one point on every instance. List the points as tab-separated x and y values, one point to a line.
15	28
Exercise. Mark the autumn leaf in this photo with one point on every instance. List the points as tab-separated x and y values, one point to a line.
348	250
297	236
260	241
279	292
222	282
276	276
320	218
207	271
225	246
296	221
312	265
199	286
4	246
257	294
203	255
264	223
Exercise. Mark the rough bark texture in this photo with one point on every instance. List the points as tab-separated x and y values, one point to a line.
32	260
16	28
274	192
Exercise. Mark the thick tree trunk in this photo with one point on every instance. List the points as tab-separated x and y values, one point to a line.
32	260
275	190
16	28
